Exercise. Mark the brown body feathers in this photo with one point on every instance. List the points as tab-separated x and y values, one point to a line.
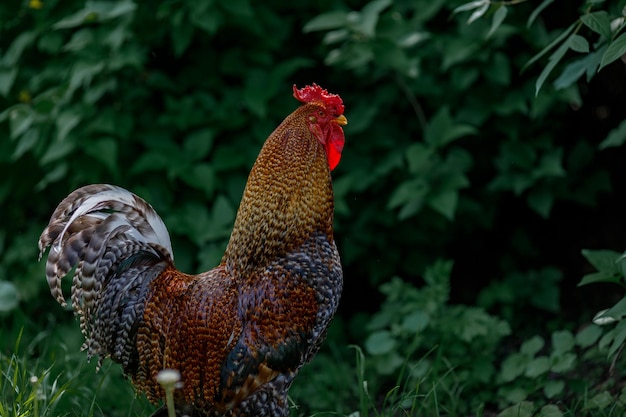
239	333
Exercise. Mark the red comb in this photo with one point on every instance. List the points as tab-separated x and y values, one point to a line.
314	93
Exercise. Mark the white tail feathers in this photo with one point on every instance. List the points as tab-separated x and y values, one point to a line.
95	229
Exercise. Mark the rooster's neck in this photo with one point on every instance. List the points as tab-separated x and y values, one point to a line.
288	198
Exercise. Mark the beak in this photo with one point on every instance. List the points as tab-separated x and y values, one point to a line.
341	120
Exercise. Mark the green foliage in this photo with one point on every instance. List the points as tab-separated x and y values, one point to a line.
605	25
610	269
423	356
474	130
517	292
436	177
413	322
609	265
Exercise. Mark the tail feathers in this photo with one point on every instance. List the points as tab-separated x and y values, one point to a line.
121	309
115	240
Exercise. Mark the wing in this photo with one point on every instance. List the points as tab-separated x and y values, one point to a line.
278	311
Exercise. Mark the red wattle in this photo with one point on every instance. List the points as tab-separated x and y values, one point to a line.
334	146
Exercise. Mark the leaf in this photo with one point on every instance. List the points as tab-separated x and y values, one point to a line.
605	340
562	341
616	137
537	367
407	191
513	367
336	36
618	340
380	342
51	43
469	6
553	60
191	220
9	296
113	9
57	150
181	38
541	201
223	213
478	13
116	37
370	14
20	119
574	42
442	129
105	151
65	122
411	208
498	18
198	144
602	276
415	322
412	38
80	40
74	20
150	161
622	397
200	176
601	320
458	51
96	11
563	362
575	69
603	260
82	73
599	22
22	41
523	409
600	401
572	72
206	19
239	8
551	389
550	164
537	11
457	131
96	91
616	50
7	78
326	21
452	171
588	336
618	311
219	228
444	203
25	143
437	126
55	174
419	158
532	346
551	45
578	43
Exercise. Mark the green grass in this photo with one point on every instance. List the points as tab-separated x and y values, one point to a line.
44	378
441	394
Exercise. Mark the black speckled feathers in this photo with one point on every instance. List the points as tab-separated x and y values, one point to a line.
239	333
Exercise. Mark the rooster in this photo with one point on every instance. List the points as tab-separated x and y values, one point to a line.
239	333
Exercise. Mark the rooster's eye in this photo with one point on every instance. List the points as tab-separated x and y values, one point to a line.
321	113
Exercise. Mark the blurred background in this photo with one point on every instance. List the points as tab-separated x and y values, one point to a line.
469	186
